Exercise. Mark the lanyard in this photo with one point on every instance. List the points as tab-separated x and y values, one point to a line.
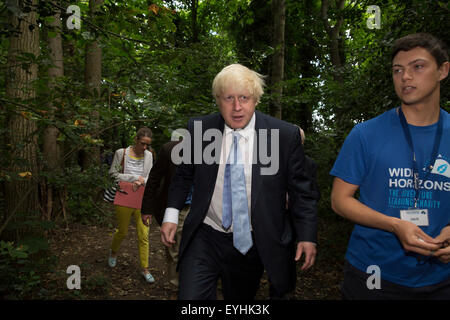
437	142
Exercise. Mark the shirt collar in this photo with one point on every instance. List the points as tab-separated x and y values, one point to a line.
245	132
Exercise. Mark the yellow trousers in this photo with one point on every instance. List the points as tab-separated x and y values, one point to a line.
123	216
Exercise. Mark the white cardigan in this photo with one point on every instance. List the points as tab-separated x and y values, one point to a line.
116	169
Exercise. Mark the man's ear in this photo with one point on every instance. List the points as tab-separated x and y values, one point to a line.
444	68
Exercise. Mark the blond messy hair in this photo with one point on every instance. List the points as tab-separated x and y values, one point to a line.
239	77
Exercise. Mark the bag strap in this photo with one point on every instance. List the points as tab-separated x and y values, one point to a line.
123	160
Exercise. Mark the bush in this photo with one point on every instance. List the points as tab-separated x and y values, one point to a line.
21	267
85	193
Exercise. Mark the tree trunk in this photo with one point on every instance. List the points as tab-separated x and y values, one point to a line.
194	25
277	68
333	34
21	194
51	148
341	120
92	77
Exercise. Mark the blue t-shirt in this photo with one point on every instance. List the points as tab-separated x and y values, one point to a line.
376	157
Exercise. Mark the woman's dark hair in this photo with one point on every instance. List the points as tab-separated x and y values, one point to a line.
434	46
144	132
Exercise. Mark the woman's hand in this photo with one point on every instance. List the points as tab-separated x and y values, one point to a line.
136	185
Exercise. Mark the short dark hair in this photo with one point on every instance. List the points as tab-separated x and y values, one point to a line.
144	132
433	45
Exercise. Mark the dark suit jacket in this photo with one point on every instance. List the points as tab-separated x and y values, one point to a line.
157	187
275	228
311	171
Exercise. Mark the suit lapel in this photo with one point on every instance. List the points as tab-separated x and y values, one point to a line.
211	170
256	167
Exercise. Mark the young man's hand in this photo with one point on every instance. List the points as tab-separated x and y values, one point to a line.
414	239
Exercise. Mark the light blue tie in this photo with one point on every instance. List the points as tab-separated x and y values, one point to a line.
235	205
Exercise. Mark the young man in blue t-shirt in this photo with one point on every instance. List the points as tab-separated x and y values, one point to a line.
400	162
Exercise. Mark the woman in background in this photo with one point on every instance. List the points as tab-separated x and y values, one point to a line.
137	162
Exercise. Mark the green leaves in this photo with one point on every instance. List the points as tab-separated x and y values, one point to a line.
22	268
12	251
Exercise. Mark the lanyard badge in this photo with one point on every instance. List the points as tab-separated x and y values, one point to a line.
416	215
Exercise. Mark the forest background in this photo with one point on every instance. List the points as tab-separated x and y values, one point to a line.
74	89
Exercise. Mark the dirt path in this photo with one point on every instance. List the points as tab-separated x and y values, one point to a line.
87	246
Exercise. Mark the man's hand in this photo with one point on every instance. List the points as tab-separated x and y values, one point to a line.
146	219
309	249
443	254
168	230
414	239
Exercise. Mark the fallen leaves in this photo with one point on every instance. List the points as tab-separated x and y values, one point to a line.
88	246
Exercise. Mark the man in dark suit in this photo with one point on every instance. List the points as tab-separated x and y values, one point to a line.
155	200
263	232
311	169
157	187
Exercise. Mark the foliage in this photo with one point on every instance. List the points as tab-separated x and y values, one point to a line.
158	62
83	194
97	284
22	268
